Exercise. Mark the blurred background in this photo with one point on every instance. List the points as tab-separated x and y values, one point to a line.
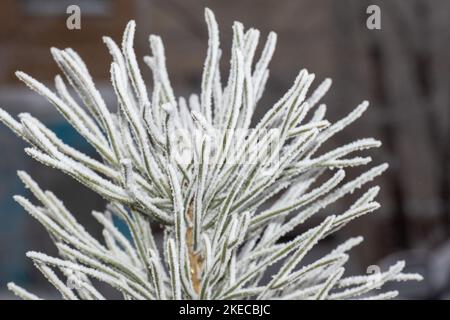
402	69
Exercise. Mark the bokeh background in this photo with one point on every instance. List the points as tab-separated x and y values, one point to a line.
402	69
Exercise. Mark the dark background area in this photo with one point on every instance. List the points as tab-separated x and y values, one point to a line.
402	69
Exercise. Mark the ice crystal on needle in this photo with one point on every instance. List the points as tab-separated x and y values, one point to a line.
198	168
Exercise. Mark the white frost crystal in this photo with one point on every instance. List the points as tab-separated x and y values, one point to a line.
197	168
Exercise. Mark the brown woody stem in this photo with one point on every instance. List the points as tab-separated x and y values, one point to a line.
195	259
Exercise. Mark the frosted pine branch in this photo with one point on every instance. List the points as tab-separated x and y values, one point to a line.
197	167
